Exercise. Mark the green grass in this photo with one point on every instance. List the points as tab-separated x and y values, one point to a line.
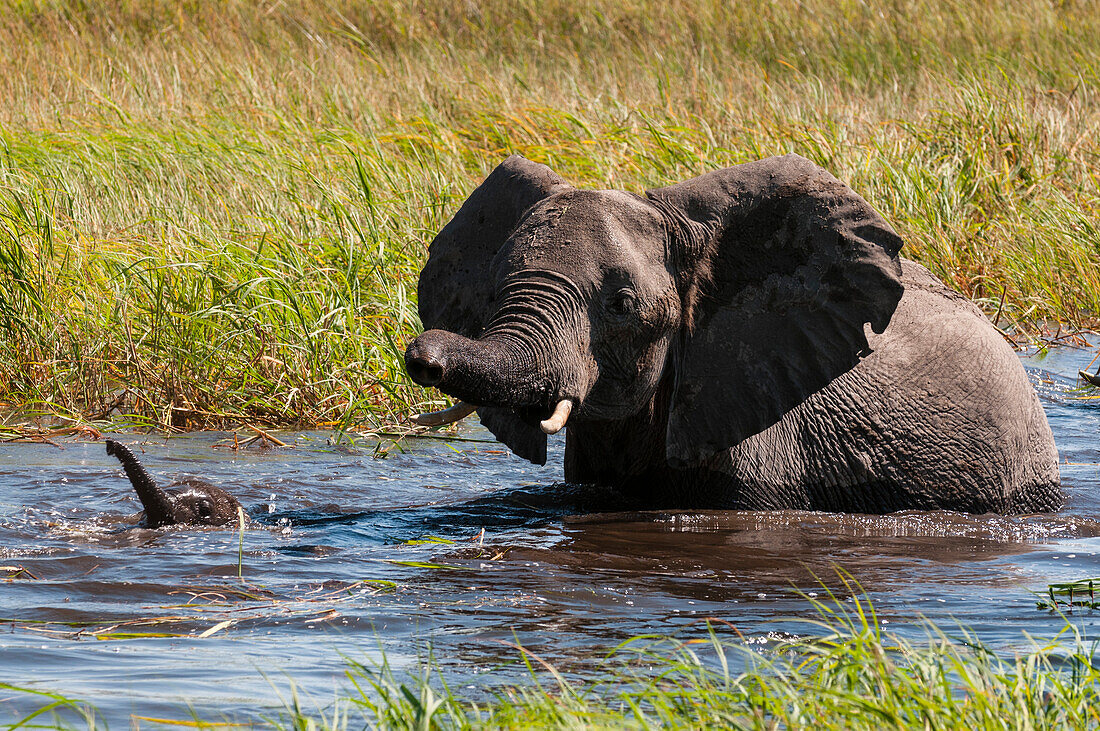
845	672
216	212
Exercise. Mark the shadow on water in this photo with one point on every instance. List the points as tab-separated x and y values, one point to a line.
531	507
468	548
595	531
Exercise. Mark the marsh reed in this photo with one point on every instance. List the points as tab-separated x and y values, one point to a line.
215	212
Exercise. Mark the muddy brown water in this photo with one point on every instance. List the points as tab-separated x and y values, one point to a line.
346	556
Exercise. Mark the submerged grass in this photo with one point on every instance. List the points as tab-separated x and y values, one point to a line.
844	673
215	212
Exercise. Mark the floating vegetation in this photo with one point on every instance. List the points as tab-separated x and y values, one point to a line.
214	608
1077	594
429	565
1090	379
428	540
16	572
1061	389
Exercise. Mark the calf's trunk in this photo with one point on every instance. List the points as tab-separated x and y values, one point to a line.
158	506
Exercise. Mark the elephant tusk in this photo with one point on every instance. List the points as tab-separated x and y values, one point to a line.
447	416
557	420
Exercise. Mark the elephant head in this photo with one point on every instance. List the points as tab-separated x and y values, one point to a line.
194	502
736	295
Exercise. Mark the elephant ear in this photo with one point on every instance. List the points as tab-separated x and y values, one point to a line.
456	288
781	265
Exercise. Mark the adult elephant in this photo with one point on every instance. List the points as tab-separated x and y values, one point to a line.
746	339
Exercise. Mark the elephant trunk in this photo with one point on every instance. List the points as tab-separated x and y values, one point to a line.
489	371
158	506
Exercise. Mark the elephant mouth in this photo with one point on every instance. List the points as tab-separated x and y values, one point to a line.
533	414
550	419
532	403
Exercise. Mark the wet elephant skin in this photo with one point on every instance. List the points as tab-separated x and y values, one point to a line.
193	502
747	339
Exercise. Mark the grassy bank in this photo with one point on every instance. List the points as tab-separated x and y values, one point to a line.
846	673
216	212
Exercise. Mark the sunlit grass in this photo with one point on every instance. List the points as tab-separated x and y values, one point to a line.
844	672
217	212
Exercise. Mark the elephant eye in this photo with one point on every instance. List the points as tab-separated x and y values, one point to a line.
622	302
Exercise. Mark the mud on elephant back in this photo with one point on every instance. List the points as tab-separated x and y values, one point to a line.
746	339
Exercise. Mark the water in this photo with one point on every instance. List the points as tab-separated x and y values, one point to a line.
341	559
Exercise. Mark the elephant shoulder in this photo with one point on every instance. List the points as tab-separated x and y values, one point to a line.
954	387
935	324
939	414
916	277
930	310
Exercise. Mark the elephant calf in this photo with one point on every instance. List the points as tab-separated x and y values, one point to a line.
746	339
192	503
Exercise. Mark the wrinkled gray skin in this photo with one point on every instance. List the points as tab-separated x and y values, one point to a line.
746	339
194	502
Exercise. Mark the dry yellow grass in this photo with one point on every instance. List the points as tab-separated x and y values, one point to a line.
217	211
